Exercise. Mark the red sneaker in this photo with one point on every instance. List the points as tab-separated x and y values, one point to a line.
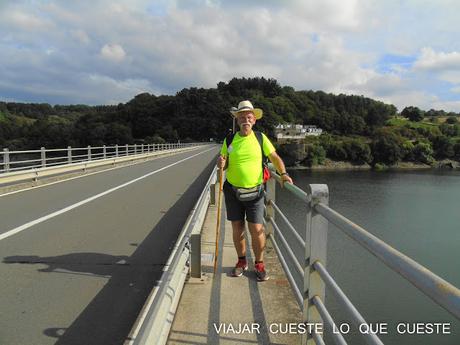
241	266
261	274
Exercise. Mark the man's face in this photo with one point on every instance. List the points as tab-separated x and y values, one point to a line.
246	120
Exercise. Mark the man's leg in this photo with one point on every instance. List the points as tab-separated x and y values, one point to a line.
238	237
240	247
255	216
257	240
258	245
235	214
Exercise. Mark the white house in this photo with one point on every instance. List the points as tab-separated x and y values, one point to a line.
293	131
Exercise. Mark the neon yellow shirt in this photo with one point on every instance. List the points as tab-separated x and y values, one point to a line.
245	159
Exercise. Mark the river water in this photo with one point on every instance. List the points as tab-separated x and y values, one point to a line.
416	212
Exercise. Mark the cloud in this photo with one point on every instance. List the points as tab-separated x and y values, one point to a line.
430	60
80	36
438	66
449	105
113	52
26	21
57	51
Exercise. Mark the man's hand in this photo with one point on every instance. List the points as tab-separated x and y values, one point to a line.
286	178
221	162
279	165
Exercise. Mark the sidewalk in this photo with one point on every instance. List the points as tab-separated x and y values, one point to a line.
221	309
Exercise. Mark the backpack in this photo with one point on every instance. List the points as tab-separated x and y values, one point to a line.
260	139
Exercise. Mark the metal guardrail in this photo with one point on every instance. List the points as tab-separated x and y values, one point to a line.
52	162
154	322
310	268
28	159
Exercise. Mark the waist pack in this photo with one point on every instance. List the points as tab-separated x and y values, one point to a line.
248	194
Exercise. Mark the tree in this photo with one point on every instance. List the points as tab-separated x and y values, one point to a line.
315	155
443	147
387	148
451	120
422	152
449	130
412	113
118	133
337	151
457	150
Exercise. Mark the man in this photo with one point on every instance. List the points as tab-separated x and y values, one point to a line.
243	161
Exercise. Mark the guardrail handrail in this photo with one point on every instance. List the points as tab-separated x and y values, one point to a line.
154	327
311	296
10	161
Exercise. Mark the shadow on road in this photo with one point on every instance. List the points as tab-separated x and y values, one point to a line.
109	317
89	263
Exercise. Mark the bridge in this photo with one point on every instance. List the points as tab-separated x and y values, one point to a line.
98	254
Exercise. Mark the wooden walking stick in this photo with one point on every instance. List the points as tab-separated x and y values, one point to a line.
216	254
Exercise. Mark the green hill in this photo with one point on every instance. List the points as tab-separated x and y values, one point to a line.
358	129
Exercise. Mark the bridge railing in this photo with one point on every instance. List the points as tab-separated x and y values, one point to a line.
28	159
20	166
308	275
155	320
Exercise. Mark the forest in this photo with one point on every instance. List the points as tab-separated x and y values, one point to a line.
357	129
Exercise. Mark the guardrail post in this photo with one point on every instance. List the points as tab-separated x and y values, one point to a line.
104	151
127	150
116	150
315	250
135	149
270	211
212	194
43	156
195	257
6	160
69	154
142	148
89	152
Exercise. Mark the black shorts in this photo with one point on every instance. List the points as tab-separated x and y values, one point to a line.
236	210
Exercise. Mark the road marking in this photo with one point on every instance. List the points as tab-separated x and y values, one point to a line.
23	227
162	154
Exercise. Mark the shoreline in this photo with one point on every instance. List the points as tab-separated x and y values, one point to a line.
347	166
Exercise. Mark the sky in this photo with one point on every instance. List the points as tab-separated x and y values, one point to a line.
406	53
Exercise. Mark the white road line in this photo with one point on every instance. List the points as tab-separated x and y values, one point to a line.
85	201
91	173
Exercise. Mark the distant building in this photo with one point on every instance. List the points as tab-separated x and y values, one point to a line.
297	132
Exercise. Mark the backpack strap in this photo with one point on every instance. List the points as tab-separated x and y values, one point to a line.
265	170
229	139
260	139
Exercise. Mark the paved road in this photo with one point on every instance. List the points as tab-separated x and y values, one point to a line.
78	258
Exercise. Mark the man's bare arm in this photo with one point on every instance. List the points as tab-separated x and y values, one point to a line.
280	167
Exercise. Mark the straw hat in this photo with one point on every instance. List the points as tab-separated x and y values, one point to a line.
246	106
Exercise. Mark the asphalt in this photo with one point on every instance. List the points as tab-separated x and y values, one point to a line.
257	311
83	276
